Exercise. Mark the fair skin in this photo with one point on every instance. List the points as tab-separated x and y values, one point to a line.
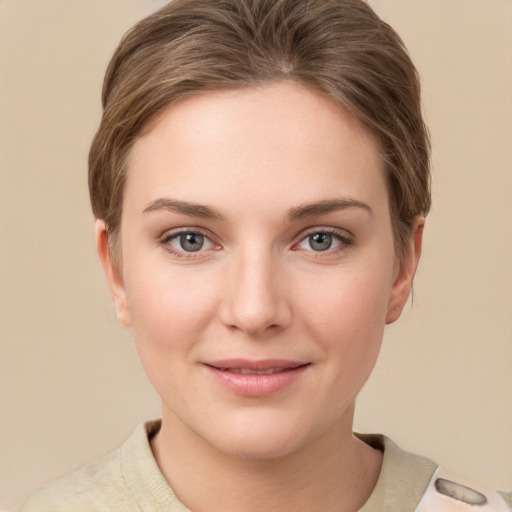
258	272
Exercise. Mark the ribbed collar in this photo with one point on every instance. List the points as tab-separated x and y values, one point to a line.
402	481
142	474
403	477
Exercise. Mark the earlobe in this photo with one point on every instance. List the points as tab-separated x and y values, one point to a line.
406	269
112	273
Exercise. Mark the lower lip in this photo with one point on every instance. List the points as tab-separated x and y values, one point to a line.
257	386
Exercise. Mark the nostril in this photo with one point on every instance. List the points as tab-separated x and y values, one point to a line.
254	329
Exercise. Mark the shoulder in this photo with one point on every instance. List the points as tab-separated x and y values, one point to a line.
127	480
410	482
98	486
448	493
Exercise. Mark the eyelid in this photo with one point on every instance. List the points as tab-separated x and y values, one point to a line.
171	234
345	238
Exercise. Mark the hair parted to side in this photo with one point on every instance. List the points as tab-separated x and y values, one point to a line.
340	48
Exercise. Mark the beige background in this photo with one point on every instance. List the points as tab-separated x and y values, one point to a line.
71	385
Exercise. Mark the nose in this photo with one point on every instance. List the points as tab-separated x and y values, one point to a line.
255	299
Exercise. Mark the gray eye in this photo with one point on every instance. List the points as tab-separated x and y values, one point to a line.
320	241
191	242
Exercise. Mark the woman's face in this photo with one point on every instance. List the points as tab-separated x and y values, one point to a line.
258	266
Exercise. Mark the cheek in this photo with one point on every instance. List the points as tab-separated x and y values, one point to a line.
353	298
347	313
169	307
170	313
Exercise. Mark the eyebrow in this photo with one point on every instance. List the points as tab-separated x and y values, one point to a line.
303	211
306	211
183	207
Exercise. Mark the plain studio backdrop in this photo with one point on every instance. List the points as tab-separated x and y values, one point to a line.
72	388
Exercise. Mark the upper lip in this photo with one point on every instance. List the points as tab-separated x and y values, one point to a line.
252	364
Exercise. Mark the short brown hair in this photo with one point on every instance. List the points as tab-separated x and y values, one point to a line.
340	48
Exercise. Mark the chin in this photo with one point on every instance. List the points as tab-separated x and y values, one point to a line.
258	447
259	436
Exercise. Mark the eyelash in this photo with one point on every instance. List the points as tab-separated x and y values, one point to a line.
343	240
169	237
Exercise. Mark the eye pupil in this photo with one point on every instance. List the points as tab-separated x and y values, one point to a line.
320	241
191	242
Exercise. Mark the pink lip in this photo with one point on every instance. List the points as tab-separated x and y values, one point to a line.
255	385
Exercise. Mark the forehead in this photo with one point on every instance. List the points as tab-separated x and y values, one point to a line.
283	140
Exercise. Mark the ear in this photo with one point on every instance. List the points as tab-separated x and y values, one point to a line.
112	273
405	270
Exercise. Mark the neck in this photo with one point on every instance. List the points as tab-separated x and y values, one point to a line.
336	472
